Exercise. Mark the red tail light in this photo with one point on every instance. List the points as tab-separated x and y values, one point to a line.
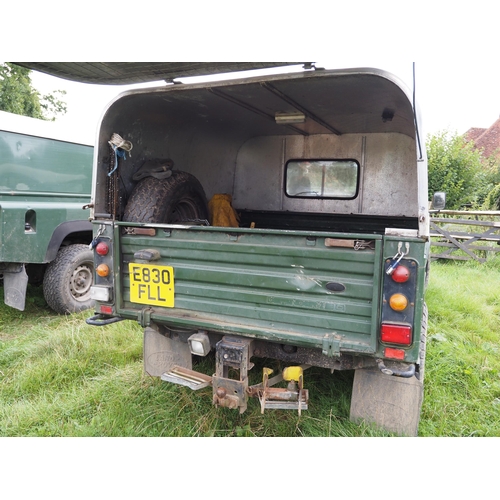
394	353
106	310
401	274
395	334
102	248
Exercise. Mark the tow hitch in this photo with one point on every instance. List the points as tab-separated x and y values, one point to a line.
233	360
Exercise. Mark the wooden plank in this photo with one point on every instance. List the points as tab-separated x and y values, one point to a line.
446	244
444	235
469	236
455	241
482	213
467	222
488	233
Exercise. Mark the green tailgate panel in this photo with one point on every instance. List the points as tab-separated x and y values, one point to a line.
283	286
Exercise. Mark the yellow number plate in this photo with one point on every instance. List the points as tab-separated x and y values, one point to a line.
150	284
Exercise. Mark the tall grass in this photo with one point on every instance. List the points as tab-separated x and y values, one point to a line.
61	377
462	387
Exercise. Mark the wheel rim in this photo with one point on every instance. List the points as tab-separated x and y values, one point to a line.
183	211
80	282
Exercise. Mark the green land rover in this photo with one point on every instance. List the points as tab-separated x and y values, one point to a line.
45	181
282	216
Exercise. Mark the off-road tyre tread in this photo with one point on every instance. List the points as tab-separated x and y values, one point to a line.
155	200
423	343
56	282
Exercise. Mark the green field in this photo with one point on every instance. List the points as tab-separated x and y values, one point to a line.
61	377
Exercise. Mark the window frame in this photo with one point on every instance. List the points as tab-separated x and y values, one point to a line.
312	160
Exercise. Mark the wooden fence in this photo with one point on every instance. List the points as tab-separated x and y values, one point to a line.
464	235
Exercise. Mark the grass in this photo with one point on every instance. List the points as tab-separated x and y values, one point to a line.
61	377
462	391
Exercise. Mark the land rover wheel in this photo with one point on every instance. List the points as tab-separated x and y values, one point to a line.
68	279
179	199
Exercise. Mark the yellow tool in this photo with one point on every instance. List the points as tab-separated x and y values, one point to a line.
293	373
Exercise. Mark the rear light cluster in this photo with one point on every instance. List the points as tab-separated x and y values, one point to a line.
102	289
398	308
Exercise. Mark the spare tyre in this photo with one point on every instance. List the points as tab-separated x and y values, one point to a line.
178	199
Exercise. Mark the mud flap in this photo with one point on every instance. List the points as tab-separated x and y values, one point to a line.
392	403
161	354
15	283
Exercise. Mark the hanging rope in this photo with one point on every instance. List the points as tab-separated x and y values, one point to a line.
119	153
120	147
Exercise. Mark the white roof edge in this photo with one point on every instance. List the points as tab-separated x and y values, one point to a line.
26	125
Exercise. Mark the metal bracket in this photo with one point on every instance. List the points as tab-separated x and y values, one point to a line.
102	320
140	231
189	378
402	370
144	317
232	352
331	345
294	397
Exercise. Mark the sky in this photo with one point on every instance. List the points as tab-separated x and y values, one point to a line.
454	45
451	96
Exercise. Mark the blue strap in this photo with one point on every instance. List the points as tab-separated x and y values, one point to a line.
118	153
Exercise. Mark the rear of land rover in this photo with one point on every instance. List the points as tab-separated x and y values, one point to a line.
325	266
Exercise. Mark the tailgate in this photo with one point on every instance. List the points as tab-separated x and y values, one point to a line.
282	286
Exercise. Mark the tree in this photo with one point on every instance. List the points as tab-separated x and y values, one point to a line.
18	96
456	168
492	201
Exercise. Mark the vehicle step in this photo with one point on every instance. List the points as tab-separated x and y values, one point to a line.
283	399
189	378
284	405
